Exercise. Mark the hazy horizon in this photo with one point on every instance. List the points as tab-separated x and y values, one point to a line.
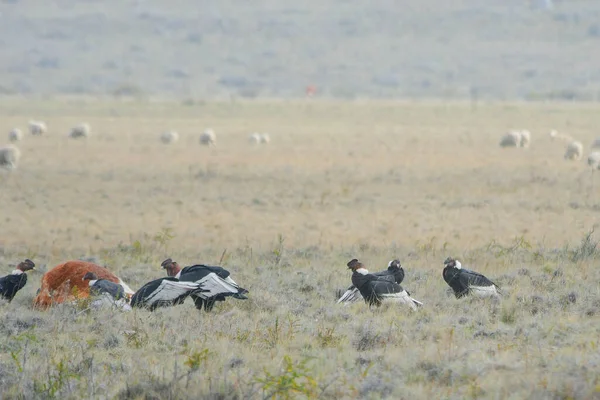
186	49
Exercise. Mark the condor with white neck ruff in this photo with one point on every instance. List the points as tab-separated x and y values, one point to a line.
465	282
100	286
215	282
376	289
394	273
11	284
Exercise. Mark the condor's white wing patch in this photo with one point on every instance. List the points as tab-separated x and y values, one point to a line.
402	297
170	290
350	296
126	288
484	291
212	285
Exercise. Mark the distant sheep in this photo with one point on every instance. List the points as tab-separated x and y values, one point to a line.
596	143
37	128
574	151
525	138
15	135
254	138
594	160
9	157
554	134
80	131
257	138
511	139
169	137
208	138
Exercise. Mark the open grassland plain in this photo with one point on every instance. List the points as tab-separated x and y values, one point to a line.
372	180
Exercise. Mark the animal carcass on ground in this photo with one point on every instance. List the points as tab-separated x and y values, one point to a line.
65	283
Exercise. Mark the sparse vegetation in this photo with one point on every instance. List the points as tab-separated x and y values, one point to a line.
290	218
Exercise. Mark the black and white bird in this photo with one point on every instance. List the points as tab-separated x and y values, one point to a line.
100	286
393	273
163	292
11	284
465	282
215	282
106	293
377	289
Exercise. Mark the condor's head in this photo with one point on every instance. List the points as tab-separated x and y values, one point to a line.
26	265
171	267
452	263
357	266
394	264
90	276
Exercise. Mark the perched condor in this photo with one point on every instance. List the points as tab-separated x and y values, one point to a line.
11	284
376	289
393	273
465	282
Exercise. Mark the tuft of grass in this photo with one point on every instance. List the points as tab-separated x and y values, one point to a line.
327	337
588	249
294	379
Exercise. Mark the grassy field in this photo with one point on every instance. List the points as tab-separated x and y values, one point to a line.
372	180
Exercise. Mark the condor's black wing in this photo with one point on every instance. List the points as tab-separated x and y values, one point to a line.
163	292
472	278
216	280
197	272
116	291
351	295
11	284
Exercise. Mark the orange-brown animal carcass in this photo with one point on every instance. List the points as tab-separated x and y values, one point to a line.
65	283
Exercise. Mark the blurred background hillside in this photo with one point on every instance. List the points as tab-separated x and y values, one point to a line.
196	49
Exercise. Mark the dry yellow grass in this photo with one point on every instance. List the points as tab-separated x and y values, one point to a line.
373	180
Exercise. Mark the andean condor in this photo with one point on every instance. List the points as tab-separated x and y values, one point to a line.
11	284
106	293
163	292
465	282
393	273
215	282
376	289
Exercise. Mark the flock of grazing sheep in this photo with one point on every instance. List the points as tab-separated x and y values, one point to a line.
10	154
573	151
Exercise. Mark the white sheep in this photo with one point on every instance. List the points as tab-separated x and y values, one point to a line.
265	138
82	130
574	151
594	160
554	134
525	138
596	143
511	139
254	138
9	157
169	137
37	128
15	135
208	138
